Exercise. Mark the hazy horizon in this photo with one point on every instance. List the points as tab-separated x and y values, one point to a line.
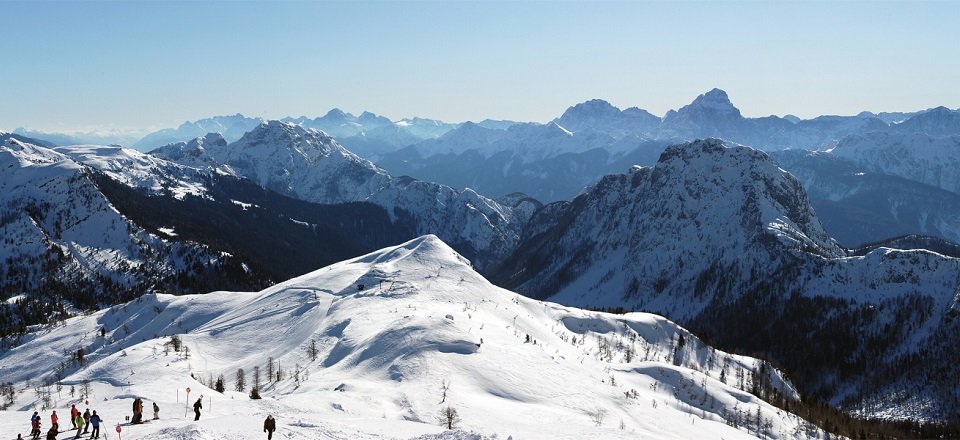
143	66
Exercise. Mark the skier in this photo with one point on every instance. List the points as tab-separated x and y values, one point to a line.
74	412
137	411
35	427
95	421
269	426
86	420
54	418
197	407
52	433
79	422
156	411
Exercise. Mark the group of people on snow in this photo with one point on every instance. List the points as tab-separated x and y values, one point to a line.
138	411
81	422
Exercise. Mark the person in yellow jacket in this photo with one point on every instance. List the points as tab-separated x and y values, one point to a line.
79	421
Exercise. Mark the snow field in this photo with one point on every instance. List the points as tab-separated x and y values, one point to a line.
384	356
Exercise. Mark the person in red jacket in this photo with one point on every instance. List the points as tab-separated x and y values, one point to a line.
54	419
35	428
74	412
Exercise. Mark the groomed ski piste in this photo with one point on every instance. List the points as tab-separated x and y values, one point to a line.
424	333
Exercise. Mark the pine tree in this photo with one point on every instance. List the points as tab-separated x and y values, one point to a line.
241	380
312	350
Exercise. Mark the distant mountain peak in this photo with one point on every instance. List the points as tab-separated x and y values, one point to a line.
336	114
593	108
714	100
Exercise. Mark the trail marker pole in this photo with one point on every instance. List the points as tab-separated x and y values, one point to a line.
186	404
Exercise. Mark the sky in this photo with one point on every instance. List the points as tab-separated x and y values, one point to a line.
146	65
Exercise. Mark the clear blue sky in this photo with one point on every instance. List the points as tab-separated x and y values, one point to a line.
122	64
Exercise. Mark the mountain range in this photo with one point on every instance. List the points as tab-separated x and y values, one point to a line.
808	258
721	239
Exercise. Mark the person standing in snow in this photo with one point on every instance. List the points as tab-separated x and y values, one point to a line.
269	426
95	421
86	420
74	412
156	411
79	422
52	433
137	411
197	407
54	419
35	427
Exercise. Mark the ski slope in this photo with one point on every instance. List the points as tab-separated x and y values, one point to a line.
514	367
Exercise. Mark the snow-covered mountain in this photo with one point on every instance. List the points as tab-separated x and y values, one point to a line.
710	114
4	137
192	153
545	161
139	170
723	240
860	204
312	166
920	157
96	137
601	116
375	347
939	121
554	161
231	127
64	243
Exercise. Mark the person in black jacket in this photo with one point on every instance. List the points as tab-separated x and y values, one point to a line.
86	420
269	426
197	407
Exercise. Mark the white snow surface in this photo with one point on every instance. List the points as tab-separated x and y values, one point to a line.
139	170
424	318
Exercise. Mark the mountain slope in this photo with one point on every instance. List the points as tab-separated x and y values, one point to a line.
722	240
309	165
860	204
280	236
232	127
916	156
66	245
423	332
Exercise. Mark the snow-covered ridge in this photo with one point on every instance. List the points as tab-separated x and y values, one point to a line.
62	237
711	236
310	165
139	170
916	156
423	332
